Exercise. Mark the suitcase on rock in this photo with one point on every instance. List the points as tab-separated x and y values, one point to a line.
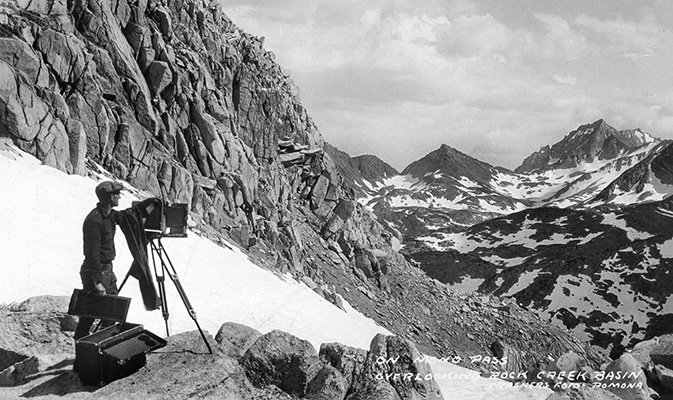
114	353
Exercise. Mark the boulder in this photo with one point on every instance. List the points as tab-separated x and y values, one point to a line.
163	17
182	185
132	142
626	371
64	53
342	212
641	351
58	105
53	146
350	361
16	367
122	11
280	359
22	113
235	339
373	385
328	384
22	58
159	76
664	376
206	126
77	145
570	361
55	7
41	304
515	362
319	191
140	40
662	353
68	323
365	263
289	159
87	106
392	371
407	356
184	369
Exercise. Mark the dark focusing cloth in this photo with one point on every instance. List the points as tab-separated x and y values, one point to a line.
131	223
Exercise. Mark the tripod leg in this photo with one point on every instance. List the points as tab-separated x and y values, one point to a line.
188	305
164	302
161	283
181	291
126	278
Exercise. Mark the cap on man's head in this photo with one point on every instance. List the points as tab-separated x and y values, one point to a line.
107	188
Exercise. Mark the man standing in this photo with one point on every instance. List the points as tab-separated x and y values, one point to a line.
99	249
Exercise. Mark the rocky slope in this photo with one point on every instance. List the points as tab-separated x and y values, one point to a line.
601	272
650	179
175	99
554	236
360	171
246	364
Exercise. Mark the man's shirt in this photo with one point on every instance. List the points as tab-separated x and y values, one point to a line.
99	246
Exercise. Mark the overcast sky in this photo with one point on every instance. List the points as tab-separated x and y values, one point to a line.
496	79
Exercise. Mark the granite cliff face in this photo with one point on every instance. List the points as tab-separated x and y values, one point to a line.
175	99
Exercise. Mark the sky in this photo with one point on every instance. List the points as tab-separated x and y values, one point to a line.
41	254
495	79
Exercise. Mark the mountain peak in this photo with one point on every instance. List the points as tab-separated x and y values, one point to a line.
446	147
600	123
451	162
597	127
597	140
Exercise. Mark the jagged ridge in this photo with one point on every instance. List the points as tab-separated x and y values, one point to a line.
595	141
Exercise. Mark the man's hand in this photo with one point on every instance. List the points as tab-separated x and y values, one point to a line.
100	289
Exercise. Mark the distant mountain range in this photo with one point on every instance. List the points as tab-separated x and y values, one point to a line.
579	231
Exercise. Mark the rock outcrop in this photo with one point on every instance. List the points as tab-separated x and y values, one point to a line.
390	370
16	367
235	339
273	366
283	360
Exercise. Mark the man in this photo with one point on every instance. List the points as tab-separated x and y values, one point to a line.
99	249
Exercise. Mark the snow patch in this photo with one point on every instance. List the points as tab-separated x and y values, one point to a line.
467	285
505	262
524	281
617	221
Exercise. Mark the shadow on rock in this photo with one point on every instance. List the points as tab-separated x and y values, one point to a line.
64	382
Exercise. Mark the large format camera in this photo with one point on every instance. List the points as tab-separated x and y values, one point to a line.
166	220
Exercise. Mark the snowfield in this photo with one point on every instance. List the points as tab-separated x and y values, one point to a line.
42	214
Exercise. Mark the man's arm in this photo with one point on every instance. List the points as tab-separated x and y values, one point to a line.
146	207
